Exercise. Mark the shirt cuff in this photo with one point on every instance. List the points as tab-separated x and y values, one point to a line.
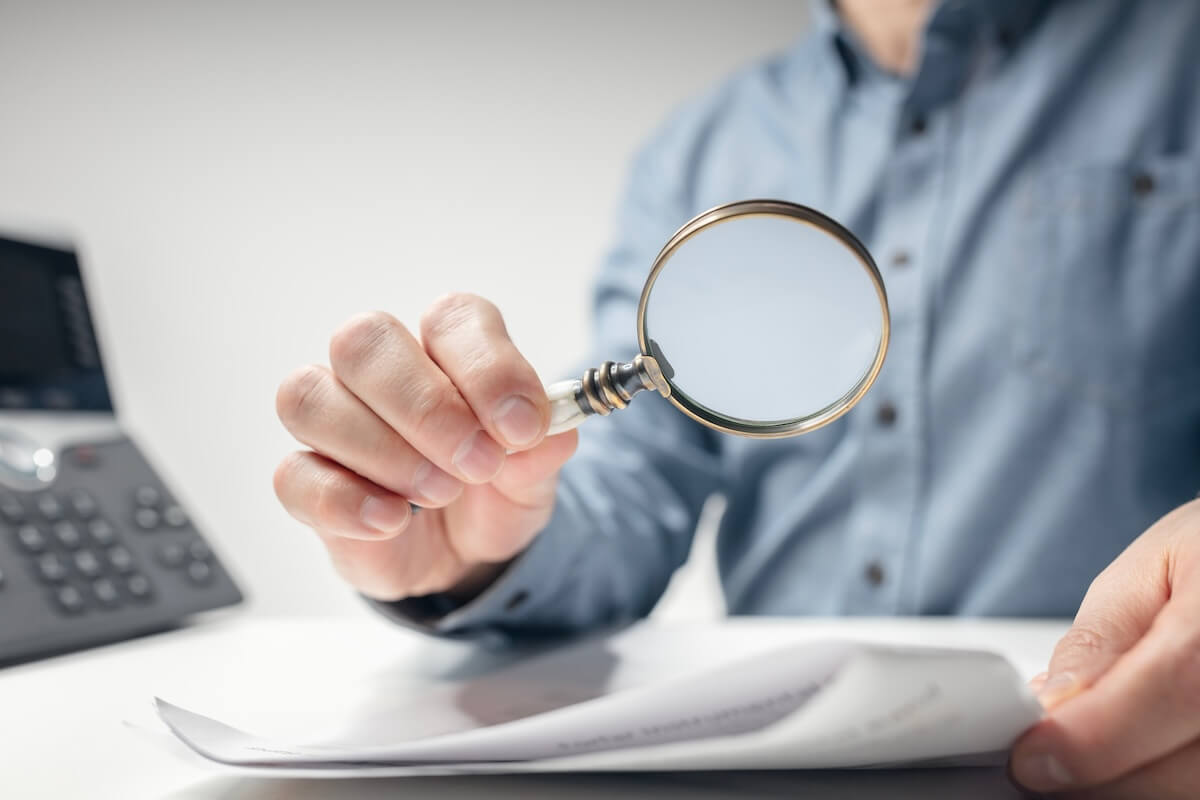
527	584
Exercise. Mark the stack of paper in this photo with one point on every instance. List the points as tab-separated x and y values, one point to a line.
806	705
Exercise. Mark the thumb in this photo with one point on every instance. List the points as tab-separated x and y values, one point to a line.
1116	612
494	521
528	477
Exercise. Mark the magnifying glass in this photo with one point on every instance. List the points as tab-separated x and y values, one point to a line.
760	318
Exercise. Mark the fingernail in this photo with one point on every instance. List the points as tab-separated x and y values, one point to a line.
479	458
384	514
1040	772
434	485
1058	688
517	420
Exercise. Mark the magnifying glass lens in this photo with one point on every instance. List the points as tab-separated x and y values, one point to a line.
769	323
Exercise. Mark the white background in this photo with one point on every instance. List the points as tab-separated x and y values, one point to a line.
240	177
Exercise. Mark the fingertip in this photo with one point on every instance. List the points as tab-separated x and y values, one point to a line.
479	458
280	477
1038	772
290	474
385	515
1056	689
434	487
519	422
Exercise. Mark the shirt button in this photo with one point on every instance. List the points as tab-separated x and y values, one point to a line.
901	259
917	124
885	415
874	574
1143	184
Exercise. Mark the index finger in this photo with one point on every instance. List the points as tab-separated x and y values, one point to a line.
384	365
465	335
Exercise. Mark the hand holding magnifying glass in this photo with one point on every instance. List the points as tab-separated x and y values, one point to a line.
761	318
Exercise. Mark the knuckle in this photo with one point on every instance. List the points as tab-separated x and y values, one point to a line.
328	500
452	311
299	395
285	474
1080	644
361	337
432	405
481	363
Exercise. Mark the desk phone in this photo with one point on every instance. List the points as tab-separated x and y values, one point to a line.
94	547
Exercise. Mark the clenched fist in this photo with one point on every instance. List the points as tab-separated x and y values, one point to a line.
395	418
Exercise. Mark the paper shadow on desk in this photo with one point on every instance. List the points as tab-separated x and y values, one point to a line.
489	688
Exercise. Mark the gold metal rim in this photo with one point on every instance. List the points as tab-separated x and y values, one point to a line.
818	419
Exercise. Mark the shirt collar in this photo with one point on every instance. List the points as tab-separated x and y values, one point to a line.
1008	21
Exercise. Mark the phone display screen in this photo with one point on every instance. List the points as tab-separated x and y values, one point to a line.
49	358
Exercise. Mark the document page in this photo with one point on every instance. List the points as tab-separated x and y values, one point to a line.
802	705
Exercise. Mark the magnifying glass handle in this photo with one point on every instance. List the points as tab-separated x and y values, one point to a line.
601	391
565	411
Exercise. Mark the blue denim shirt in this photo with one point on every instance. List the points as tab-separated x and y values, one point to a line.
1032	195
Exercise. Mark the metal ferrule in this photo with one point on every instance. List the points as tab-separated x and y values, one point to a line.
612	385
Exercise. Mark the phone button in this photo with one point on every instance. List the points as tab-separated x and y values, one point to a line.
70	600
88	565
138	585
12	510
31	539
199	573
51	568
106	593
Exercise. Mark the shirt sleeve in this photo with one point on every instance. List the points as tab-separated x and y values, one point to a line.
628	501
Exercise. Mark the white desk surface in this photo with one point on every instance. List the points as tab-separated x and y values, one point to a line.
63	734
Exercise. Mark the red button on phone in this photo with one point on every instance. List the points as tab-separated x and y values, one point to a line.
85	457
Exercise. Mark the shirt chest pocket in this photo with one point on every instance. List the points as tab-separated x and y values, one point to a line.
1106	303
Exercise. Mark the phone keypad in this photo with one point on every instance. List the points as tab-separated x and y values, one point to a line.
78	554
103	553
